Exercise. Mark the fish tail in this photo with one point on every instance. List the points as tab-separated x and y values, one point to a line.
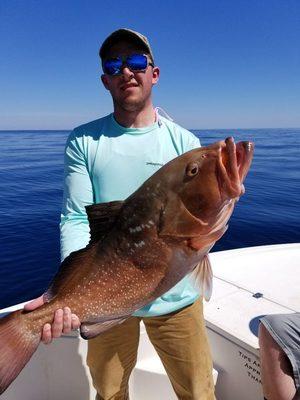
17	345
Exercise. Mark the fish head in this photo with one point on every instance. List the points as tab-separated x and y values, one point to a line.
214	175
203	186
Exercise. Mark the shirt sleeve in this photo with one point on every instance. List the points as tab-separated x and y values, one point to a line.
191	142
78	193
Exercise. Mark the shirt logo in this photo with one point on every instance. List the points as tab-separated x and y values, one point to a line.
154	163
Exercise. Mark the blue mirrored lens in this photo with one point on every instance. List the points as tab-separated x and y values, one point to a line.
137	62
112	66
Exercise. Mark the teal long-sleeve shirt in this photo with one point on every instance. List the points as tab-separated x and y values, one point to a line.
104	162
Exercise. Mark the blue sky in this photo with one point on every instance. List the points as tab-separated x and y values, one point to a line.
224	64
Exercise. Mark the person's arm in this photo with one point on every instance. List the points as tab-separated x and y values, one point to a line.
74	228
78	193
278	380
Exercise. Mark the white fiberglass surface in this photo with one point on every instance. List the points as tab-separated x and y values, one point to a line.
273	271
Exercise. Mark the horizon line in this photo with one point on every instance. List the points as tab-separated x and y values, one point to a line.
190	129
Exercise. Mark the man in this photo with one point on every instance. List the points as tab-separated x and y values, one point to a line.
107	160
279	343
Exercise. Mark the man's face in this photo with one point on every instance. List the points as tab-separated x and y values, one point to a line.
131	90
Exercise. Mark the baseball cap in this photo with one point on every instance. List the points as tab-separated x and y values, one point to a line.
125	34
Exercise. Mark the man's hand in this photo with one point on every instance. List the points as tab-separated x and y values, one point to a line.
63	321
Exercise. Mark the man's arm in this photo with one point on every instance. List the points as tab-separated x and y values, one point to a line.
74	228
78	193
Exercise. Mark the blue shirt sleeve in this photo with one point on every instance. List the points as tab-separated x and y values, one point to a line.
78	192
191	142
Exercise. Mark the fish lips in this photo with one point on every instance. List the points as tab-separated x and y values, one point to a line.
244	154
234	163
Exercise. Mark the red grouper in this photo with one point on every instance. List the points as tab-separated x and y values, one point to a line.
139	249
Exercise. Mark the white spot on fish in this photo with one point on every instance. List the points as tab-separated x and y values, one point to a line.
139	244
136	229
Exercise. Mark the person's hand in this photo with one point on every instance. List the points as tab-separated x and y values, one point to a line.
63	321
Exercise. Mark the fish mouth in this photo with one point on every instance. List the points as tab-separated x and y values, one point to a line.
234	163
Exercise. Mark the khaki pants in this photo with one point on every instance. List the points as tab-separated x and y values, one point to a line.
180	341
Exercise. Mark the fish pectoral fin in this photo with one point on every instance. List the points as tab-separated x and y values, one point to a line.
102	217
202	276
89	330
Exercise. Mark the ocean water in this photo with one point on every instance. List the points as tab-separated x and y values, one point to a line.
31	174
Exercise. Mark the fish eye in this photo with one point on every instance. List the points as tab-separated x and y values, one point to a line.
192	169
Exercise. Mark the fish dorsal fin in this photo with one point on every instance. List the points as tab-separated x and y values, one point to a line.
101	218
89	330
177	221
202	276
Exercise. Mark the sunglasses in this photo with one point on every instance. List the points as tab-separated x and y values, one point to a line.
135	62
